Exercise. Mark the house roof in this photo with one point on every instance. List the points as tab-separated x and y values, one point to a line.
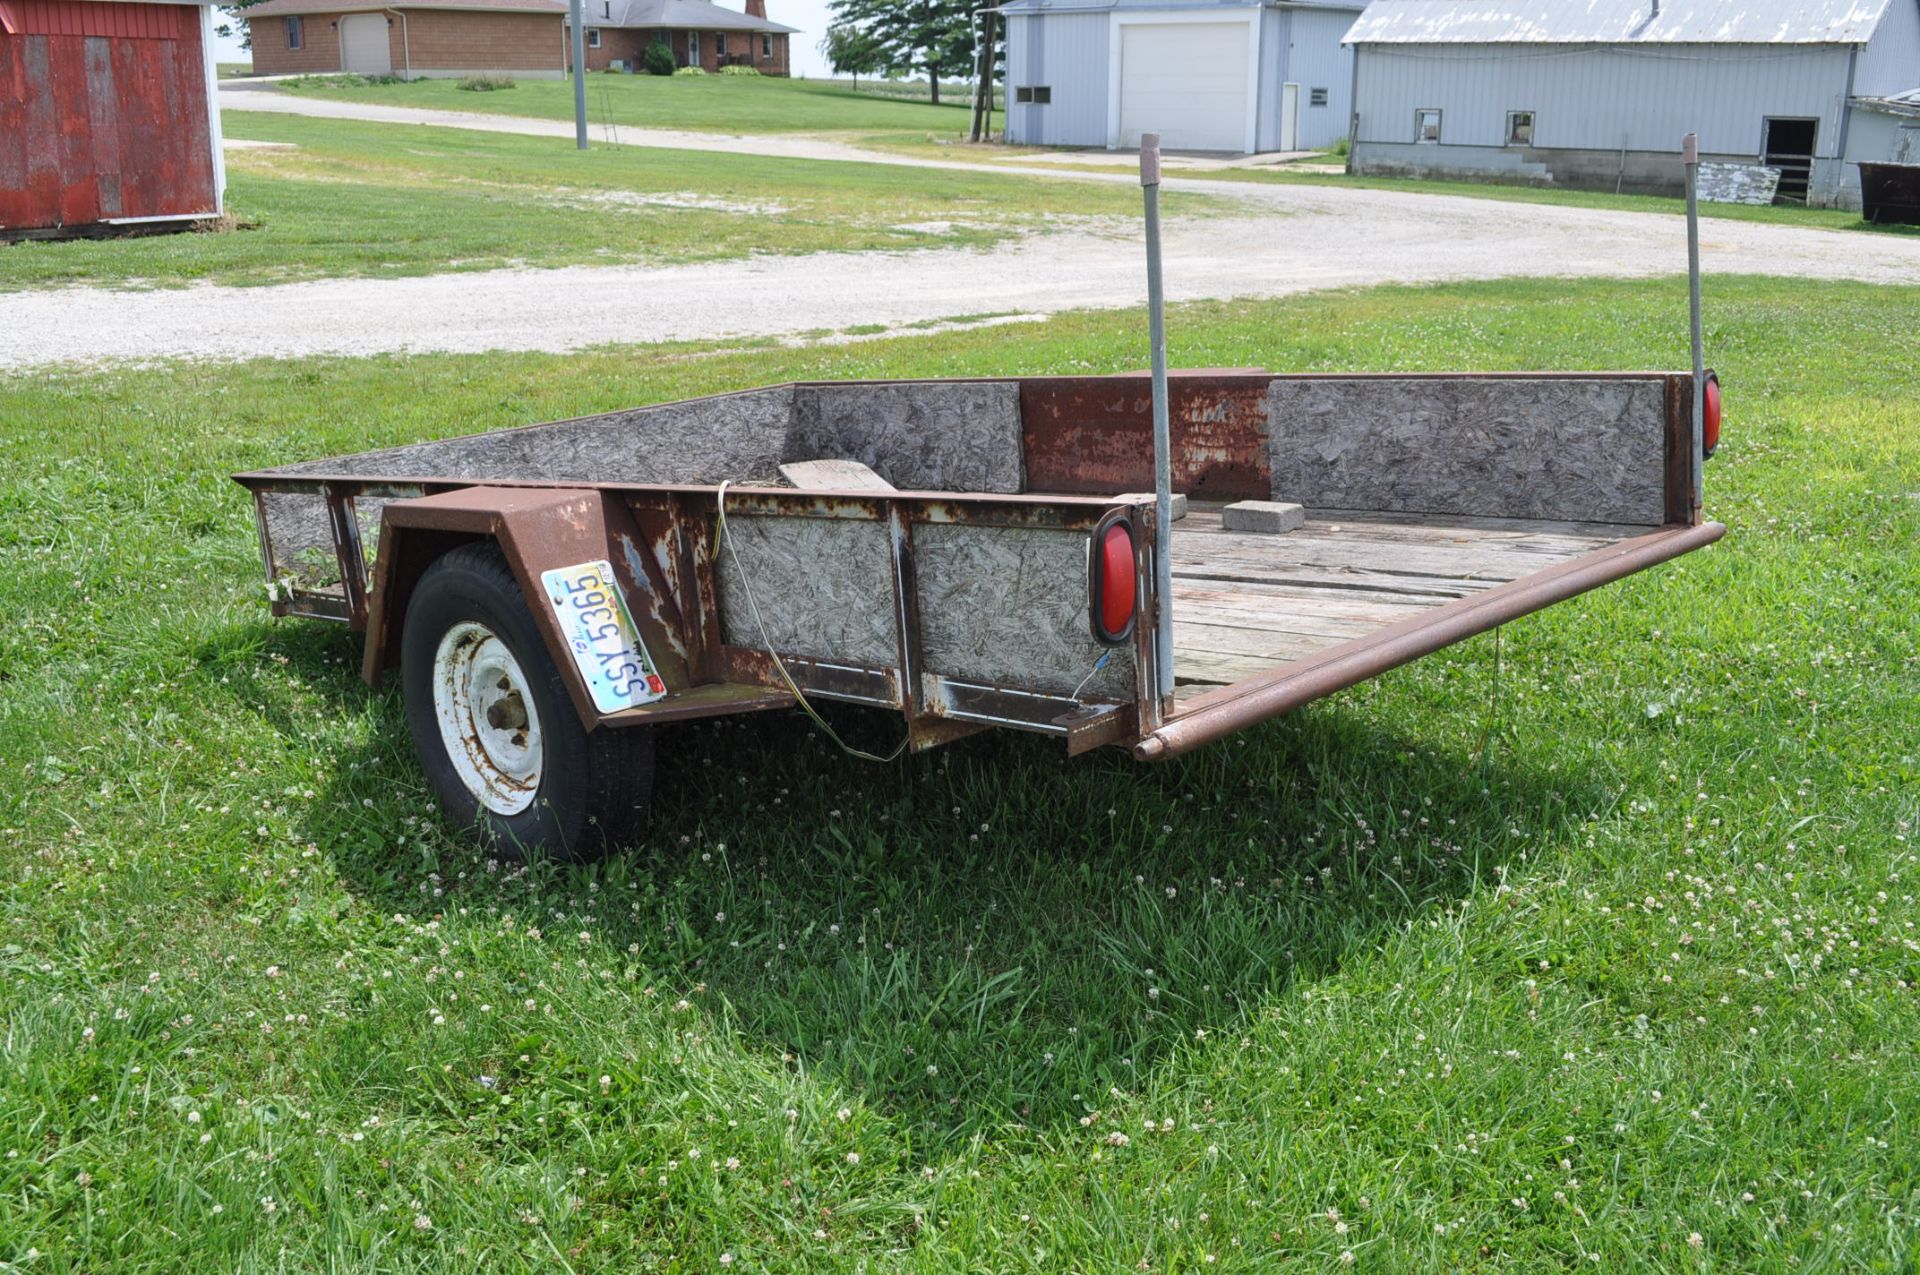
1617	22
691	15
291	8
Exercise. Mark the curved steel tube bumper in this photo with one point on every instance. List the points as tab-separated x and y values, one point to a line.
1221	712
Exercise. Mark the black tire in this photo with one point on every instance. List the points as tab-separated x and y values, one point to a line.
592	790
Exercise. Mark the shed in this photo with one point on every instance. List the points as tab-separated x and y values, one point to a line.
1597	95
107	116
1207	75
412	39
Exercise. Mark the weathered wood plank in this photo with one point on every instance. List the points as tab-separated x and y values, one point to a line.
1266	644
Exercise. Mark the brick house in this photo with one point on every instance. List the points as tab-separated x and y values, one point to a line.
410	39
699	33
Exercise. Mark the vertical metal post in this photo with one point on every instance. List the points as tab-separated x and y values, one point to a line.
1690	157
1162	432
578	19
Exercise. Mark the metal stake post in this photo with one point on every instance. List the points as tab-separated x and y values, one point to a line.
1690	157
1162	434
579	73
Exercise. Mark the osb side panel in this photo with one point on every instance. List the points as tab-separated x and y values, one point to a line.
1094	435
1008	606
919	436
300	535
732	438
824	585
1569	449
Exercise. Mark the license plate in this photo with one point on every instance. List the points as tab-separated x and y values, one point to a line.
599	631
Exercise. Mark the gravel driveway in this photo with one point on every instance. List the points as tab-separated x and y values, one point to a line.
1291	239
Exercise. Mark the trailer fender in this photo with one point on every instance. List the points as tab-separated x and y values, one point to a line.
538	529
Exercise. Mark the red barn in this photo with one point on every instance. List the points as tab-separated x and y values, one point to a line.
107	116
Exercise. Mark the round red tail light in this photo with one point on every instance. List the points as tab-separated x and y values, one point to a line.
1112	581
1710	416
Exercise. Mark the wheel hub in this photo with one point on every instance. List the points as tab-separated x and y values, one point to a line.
487	718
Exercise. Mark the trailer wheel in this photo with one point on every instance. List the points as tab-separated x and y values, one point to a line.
494	728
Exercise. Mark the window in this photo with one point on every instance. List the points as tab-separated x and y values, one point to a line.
1038	94
766	46
293	33
1426	124
593	37
693	48
1519	128
1316	97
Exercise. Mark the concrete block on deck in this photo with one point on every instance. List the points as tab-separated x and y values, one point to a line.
1262	515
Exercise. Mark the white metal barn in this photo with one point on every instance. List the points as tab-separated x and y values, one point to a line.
1207	76
1597	94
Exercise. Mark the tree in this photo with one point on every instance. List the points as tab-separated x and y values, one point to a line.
849	51
935	36
658	58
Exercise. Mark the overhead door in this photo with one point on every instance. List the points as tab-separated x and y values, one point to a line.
1188	82
363	45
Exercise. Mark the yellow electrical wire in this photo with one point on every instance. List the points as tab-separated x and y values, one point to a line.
753	605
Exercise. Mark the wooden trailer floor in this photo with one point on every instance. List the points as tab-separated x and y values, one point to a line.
1245	603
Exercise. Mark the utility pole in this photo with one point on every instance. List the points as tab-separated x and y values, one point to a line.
579	73
983	77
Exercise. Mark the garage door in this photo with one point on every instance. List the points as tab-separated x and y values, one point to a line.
1186	81
363	45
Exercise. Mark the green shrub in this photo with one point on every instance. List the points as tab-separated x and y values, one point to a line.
691	70
739	70
348	81
486	83
659	58
1339	149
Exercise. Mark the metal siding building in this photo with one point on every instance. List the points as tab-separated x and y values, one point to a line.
107	116
1096	74
1608	89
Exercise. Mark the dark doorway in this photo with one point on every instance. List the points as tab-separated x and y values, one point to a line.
1787	145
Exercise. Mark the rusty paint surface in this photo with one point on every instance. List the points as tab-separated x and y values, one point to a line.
1678	434
1095	435
103	114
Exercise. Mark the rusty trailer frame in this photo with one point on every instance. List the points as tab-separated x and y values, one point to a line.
346	540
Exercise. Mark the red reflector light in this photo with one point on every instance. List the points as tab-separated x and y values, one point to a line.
1710	416
1112	582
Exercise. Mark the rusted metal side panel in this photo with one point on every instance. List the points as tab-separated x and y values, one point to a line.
1095	435
1678	435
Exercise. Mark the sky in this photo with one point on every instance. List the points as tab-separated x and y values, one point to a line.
810	17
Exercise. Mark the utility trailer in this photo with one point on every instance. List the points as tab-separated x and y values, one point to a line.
550	594
968	553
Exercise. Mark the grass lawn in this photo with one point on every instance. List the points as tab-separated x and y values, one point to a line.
709	103
1591	947
370	199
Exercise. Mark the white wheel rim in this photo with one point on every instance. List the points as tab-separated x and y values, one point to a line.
487	719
